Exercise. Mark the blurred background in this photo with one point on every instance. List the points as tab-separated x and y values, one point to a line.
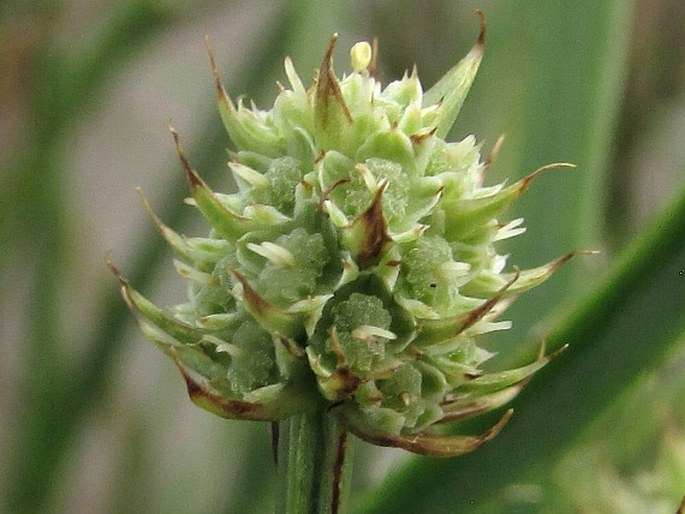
94	419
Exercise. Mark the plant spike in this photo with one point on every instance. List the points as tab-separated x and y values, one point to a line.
356	267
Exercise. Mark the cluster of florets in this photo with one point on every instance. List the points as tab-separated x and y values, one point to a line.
355	265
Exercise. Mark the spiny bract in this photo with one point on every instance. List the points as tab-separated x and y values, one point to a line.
355	265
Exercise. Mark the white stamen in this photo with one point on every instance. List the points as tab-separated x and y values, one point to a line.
412	234
368	333
484	326
273	252
368	177
337	216
293	77
252	177
223	346
265	214
216	321
191	273
453	269
499	262
511	229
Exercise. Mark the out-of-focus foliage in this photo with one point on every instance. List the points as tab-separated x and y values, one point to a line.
93	420
641	471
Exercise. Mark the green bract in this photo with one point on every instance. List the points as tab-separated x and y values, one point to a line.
356	264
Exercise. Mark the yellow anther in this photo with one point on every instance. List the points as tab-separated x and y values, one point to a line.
360	56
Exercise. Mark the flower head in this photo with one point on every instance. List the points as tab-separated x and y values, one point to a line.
355	265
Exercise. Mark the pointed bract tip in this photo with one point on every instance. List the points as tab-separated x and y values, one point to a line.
480	42
556	264
328	57
193	179
161	227
494	151
557	352
115	271
126	290
547	357
148	207
218	85
210	50
125	286
327	88
497	427
525	182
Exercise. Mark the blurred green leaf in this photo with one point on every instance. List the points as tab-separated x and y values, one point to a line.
43	222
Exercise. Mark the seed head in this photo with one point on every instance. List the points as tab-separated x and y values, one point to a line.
355	265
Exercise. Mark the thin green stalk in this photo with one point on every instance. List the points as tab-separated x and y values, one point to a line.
315	464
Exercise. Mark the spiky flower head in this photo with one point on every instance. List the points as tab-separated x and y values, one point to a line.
356	264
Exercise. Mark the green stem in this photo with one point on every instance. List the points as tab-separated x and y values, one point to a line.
314	464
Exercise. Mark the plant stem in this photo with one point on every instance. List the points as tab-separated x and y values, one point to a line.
314	464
